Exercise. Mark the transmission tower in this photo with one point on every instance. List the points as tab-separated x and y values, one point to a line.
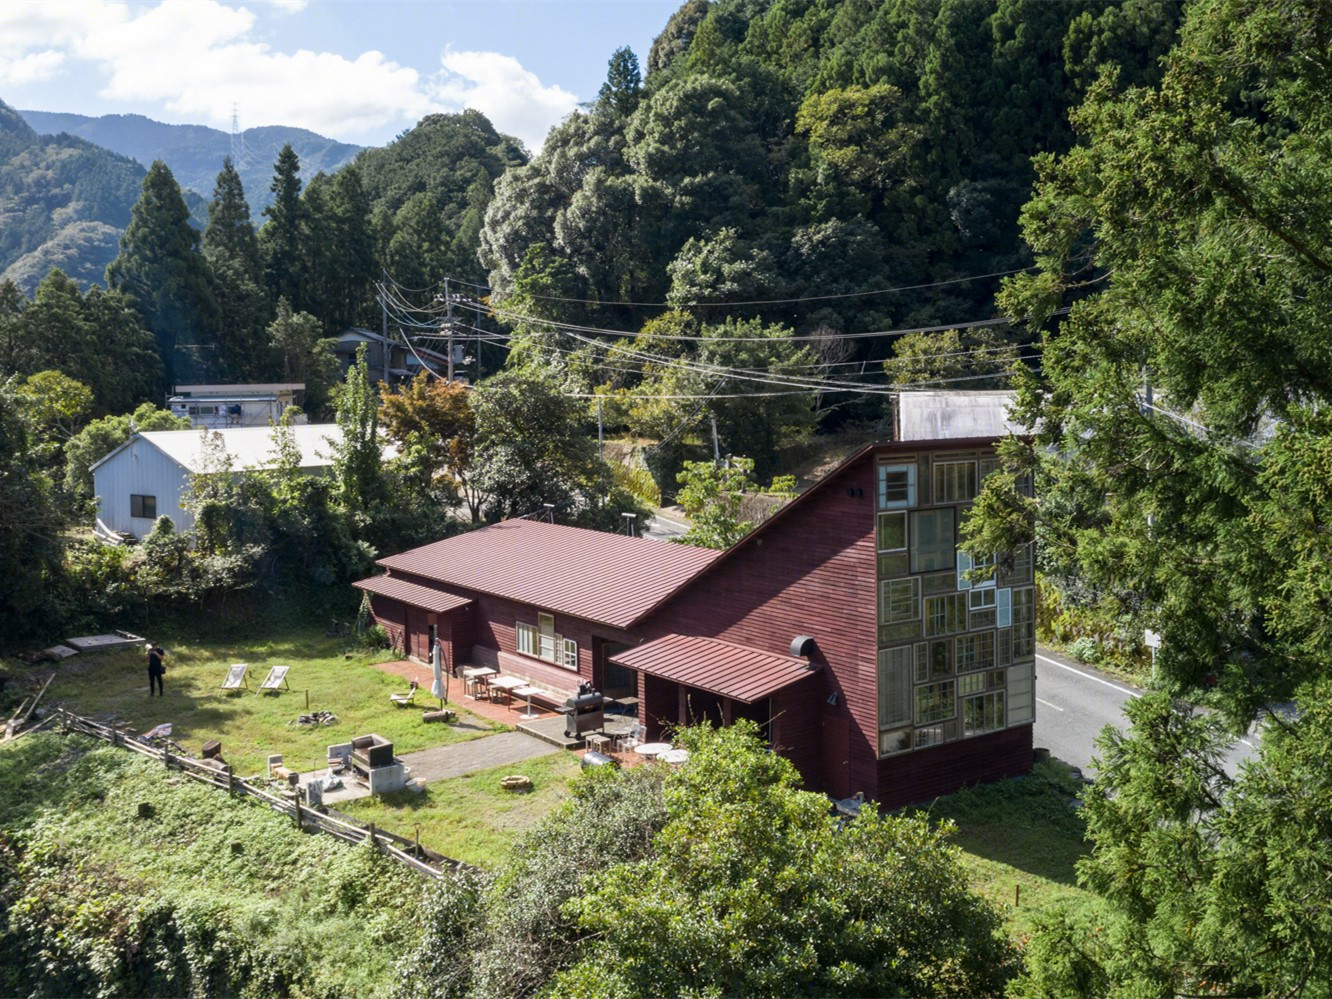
238	153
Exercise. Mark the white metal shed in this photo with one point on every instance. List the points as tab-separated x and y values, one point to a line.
148	476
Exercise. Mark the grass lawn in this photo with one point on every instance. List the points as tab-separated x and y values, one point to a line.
113	686
1020	833
471	818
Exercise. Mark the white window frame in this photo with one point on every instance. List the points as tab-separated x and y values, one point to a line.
525	638
570	659
882	486
144	499
965	563
878	533
946	485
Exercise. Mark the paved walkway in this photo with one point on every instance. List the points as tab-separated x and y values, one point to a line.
443	762
461	758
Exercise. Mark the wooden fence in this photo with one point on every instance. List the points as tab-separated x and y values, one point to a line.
305	817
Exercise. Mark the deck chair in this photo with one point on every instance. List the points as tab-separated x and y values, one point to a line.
236	677
275	681
629	739
403	700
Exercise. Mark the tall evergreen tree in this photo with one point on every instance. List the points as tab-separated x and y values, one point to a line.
280	237
232	251
161	269
339	249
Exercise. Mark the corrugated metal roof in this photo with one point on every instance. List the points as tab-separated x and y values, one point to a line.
413	593
610	578
734	671
249	447
944	416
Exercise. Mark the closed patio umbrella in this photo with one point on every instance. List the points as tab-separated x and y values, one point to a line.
439	688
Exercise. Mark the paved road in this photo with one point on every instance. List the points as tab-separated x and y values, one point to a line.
1074	702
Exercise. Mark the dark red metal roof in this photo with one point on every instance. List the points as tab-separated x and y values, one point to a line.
734	671
415	594
609	578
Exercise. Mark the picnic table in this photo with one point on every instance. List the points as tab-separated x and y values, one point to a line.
508	684
476	676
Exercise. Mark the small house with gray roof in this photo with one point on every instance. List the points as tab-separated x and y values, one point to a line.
149	475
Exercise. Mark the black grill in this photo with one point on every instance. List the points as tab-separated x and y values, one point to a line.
584	713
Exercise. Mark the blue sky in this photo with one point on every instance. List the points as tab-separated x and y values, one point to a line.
359	72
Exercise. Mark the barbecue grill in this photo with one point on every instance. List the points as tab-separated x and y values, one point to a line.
584	713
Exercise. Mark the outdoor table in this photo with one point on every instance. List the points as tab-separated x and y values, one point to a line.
508	684
652	749
527	691
597	741
674	756
474	675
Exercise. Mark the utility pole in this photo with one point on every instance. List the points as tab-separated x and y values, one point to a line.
383	307
716	447
448	320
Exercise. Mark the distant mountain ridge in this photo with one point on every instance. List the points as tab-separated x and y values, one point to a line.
63	203
195	152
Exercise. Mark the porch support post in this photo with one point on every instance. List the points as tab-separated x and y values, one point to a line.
683	709
726	711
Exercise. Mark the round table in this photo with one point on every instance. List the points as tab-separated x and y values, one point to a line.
674	756
652	749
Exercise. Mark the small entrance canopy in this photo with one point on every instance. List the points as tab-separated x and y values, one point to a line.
426	597
735	671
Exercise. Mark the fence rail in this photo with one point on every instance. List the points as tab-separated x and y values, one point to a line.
405	851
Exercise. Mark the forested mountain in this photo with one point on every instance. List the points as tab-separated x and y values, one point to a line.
195	152
428	191
783	158
63	203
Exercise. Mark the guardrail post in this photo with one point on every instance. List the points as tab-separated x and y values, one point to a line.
166	755
296	811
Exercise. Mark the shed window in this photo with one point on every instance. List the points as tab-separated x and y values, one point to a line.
143	506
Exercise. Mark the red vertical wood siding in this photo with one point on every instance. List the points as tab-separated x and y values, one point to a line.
928	773
814	574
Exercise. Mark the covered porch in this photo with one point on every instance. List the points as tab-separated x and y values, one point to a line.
688	680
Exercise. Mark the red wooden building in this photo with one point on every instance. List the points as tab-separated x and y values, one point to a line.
848	626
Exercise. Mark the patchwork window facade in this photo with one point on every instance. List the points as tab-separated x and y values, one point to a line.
956	634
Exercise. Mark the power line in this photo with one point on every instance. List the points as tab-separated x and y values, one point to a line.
771	301
602	331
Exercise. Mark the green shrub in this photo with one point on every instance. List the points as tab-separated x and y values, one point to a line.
1086	650
375	637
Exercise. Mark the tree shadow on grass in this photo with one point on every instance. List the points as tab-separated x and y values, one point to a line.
1030	823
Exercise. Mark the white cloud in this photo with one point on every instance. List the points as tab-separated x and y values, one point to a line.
31	68
195	59
498	86
288	6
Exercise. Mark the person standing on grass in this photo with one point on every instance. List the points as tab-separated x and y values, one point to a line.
156	669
